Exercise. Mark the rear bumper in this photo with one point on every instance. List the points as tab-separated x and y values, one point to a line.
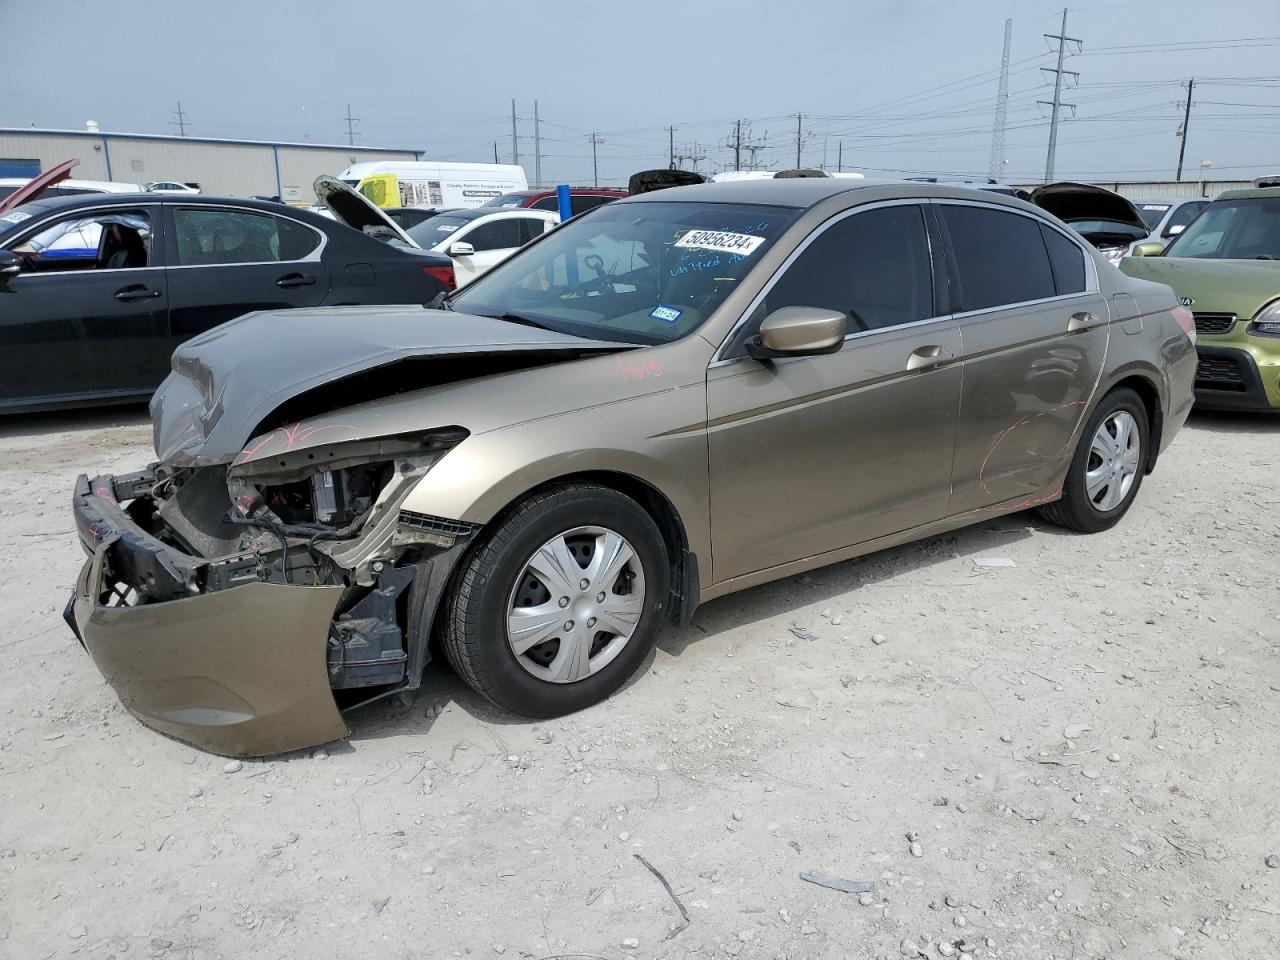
240	671
1229	379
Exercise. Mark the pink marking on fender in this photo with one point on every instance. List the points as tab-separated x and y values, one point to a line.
638	371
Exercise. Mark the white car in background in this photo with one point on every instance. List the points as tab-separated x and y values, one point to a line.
482	237
170	186
67	188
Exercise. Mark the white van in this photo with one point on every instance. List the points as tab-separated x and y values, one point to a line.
406	183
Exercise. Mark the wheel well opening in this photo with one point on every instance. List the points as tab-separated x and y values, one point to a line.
1150	398
684	567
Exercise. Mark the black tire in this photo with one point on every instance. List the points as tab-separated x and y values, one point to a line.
1075	510
474	629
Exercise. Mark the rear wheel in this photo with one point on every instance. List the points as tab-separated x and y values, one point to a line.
560	603
1107	468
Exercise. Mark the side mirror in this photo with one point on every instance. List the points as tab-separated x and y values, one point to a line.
798	332
10	264
461	249
1151	248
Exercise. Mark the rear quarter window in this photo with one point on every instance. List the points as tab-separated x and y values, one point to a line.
1067	261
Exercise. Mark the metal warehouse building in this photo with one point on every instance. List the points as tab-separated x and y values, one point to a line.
234	167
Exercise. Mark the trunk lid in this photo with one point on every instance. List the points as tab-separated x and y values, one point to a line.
358	211
38	185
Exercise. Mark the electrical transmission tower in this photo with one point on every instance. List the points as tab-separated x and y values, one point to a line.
741	142
1056	104
694	154
351	129
181	120
996	167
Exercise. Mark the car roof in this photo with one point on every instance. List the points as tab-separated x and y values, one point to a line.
59	204
475	213
805	192
573	191
1249	193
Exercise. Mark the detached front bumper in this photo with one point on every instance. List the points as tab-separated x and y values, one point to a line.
239	671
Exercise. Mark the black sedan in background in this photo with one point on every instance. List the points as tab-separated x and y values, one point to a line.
96	291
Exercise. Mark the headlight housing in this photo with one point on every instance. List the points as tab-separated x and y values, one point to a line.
1267	322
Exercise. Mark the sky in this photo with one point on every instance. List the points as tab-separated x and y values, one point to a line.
886	88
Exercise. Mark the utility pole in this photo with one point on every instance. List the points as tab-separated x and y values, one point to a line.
737	145
1186	122
671	146
515	144
495	151
1057	105
537	147
181	122
995	169
799	137
840	157
351	130
693	154
595	166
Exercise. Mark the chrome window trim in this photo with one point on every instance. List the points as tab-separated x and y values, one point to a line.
148	207
718	358
314	256
1091	284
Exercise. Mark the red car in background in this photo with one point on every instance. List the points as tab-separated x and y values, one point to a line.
581	199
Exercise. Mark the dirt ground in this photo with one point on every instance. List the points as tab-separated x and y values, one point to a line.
1085	743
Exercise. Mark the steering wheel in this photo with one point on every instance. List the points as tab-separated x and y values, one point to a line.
602	281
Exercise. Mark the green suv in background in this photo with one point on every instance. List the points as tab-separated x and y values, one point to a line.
1225	267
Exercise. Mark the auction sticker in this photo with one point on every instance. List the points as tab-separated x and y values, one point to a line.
16	217
667	314
743	244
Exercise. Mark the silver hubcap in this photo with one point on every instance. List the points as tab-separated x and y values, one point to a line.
575	605
1114	457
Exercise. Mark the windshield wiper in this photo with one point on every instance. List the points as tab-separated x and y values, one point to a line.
522	319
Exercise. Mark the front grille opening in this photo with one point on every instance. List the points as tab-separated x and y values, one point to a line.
1214	323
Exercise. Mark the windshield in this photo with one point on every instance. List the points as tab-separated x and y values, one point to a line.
508	201
635	272
1247	229
434	229
1152	213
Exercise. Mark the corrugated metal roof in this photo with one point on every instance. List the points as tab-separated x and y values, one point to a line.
103	134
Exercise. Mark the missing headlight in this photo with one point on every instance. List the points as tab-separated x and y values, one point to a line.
333	498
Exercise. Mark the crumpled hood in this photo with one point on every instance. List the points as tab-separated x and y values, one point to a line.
1083	201
1242	287
227	381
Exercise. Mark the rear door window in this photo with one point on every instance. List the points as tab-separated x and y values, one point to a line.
1067	261
531	228
583	204
873	266
1000	257
213	236
551	203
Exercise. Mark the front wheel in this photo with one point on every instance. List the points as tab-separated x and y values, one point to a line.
1107	468
560	603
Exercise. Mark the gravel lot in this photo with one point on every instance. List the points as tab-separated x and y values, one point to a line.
1085	744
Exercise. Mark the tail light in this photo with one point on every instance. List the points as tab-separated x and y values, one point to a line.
1187	321
443	274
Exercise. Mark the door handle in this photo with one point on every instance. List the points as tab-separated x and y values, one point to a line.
295	280
135	291
1081	321
924	357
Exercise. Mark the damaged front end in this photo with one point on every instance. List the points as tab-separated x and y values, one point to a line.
242	606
